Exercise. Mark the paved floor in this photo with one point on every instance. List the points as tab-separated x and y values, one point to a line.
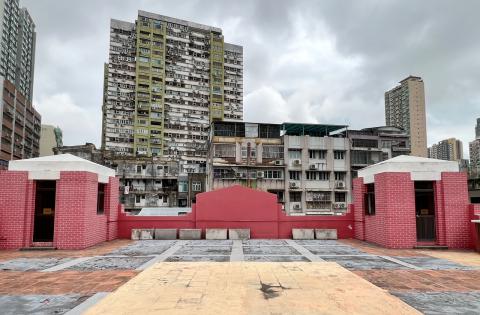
249	288
53	282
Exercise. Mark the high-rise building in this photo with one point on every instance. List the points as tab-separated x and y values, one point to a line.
449	149
20	122
50	138
474	148
477	129
405	108
17	46
165	82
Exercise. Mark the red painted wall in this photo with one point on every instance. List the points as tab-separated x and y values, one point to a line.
475	227
394	224
77	224
456	210
16	209
239	207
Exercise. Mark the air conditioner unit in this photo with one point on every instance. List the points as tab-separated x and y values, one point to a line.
340	205
294	185
279	162
296	206
340	185
260	174
239	175
313	167
297	162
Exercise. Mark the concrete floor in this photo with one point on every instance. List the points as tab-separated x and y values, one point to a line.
53	282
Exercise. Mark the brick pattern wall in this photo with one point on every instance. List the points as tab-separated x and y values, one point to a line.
77	224
16	209
456	210
394	224
111	207
440	228
359	190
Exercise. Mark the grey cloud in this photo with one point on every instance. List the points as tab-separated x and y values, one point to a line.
386	40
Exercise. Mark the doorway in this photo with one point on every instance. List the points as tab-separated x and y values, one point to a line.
425	211
44	220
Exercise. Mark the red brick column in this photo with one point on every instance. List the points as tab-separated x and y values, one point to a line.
440	228
394	224
77	224
111	207
17	206
456	210
358	209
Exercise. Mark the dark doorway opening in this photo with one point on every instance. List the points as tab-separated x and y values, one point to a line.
425	210
44	220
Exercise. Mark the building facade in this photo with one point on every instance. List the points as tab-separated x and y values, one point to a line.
20	123
306	168
405	108
372	145
50	138
166	80
17	46
449	149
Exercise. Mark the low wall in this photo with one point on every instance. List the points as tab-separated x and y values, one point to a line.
280	227
475	227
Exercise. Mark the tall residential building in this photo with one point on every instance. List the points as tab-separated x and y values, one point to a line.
165	82
474	148
17	46
50	138
449	149
405	108
20	123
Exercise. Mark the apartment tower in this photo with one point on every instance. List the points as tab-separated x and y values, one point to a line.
405	108
449	149
165	82
20	122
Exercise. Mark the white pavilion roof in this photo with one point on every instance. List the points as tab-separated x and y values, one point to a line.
49	167
420	168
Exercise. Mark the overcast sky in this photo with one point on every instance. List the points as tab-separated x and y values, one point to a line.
304	61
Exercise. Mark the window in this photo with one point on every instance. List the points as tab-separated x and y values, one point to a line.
339	155
196	186
340	176
294	175
101	198
139	168
225	150
294	154
273	174
323	176
272	152
295	196
369	200
182	186
317	154
312	175
253	151
340	197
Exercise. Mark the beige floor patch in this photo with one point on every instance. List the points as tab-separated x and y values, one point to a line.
249	288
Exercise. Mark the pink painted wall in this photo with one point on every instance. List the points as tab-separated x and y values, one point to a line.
239	207
77	224
16	209
394	224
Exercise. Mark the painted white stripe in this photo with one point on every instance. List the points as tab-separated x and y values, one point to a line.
237	251
67	264
305	252
88	303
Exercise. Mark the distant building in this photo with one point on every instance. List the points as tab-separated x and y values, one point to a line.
50	138
449	149
305	165
86	151
405	108
372	145
17	46
20	122
477	129
20	125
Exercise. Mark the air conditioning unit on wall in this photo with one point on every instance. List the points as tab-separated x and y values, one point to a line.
340	185
297	162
